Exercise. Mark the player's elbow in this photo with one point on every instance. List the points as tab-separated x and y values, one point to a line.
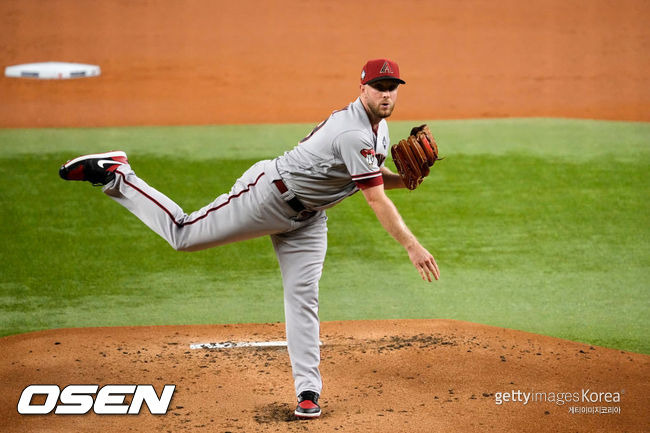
376	199
374	203
374	195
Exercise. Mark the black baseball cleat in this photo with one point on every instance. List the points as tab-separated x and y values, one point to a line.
98	169
308	405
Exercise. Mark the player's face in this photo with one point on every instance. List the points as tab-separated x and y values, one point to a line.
379	97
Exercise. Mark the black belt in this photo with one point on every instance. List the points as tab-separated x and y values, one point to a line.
294	202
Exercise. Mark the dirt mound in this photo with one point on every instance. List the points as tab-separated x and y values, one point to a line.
384	376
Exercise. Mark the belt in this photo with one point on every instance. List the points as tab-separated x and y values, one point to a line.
293	202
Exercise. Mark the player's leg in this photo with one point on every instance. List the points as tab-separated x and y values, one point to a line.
231	217
241	214
301	254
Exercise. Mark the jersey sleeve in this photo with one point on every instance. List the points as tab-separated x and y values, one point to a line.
358	155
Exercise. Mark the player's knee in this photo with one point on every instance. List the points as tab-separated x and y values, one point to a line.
186	248
180	245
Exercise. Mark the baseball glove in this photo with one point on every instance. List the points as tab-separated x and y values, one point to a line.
414	155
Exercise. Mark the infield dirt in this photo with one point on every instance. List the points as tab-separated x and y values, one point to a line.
387	376
208	62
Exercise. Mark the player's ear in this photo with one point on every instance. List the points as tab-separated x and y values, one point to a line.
362	89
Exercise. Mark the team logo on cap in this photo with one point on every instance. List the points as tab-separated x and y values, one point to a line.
363	74
386	69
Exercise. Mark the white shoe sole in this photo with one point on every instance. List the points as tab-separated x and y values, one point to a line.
114	154
306	415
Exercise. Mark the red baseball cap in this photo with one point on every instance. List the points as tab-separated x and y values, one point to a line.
380	69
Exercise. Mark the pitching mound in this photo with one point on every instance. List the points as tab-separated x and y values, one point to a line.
385	376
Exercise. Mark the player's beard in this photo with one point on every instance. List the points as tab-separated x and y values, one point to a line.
380	111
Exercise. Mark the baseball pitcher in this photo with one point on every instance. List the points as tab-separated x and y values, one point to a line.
286	198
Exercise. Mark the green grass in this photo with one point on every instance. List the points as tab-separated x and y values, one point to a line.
537	224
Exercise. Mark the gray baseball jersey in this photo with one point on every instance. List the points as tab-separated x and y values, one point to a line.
341	155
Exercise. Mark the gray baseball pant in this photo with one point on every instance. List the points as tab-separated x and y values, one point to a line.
254	207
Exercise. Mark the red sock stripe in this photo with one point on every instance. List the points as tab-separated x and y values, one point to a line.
157	203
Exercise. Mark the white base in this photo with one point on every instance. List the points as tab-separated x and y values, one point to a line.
52	70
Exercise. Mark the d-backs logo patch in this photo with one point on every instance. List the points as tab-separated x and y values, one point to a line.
370	156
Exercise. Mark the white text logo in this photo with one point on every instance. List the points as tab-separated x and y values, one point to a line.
107	400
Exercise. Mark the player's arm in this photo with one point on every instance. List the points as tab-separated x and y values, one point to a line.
391	180
393	223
